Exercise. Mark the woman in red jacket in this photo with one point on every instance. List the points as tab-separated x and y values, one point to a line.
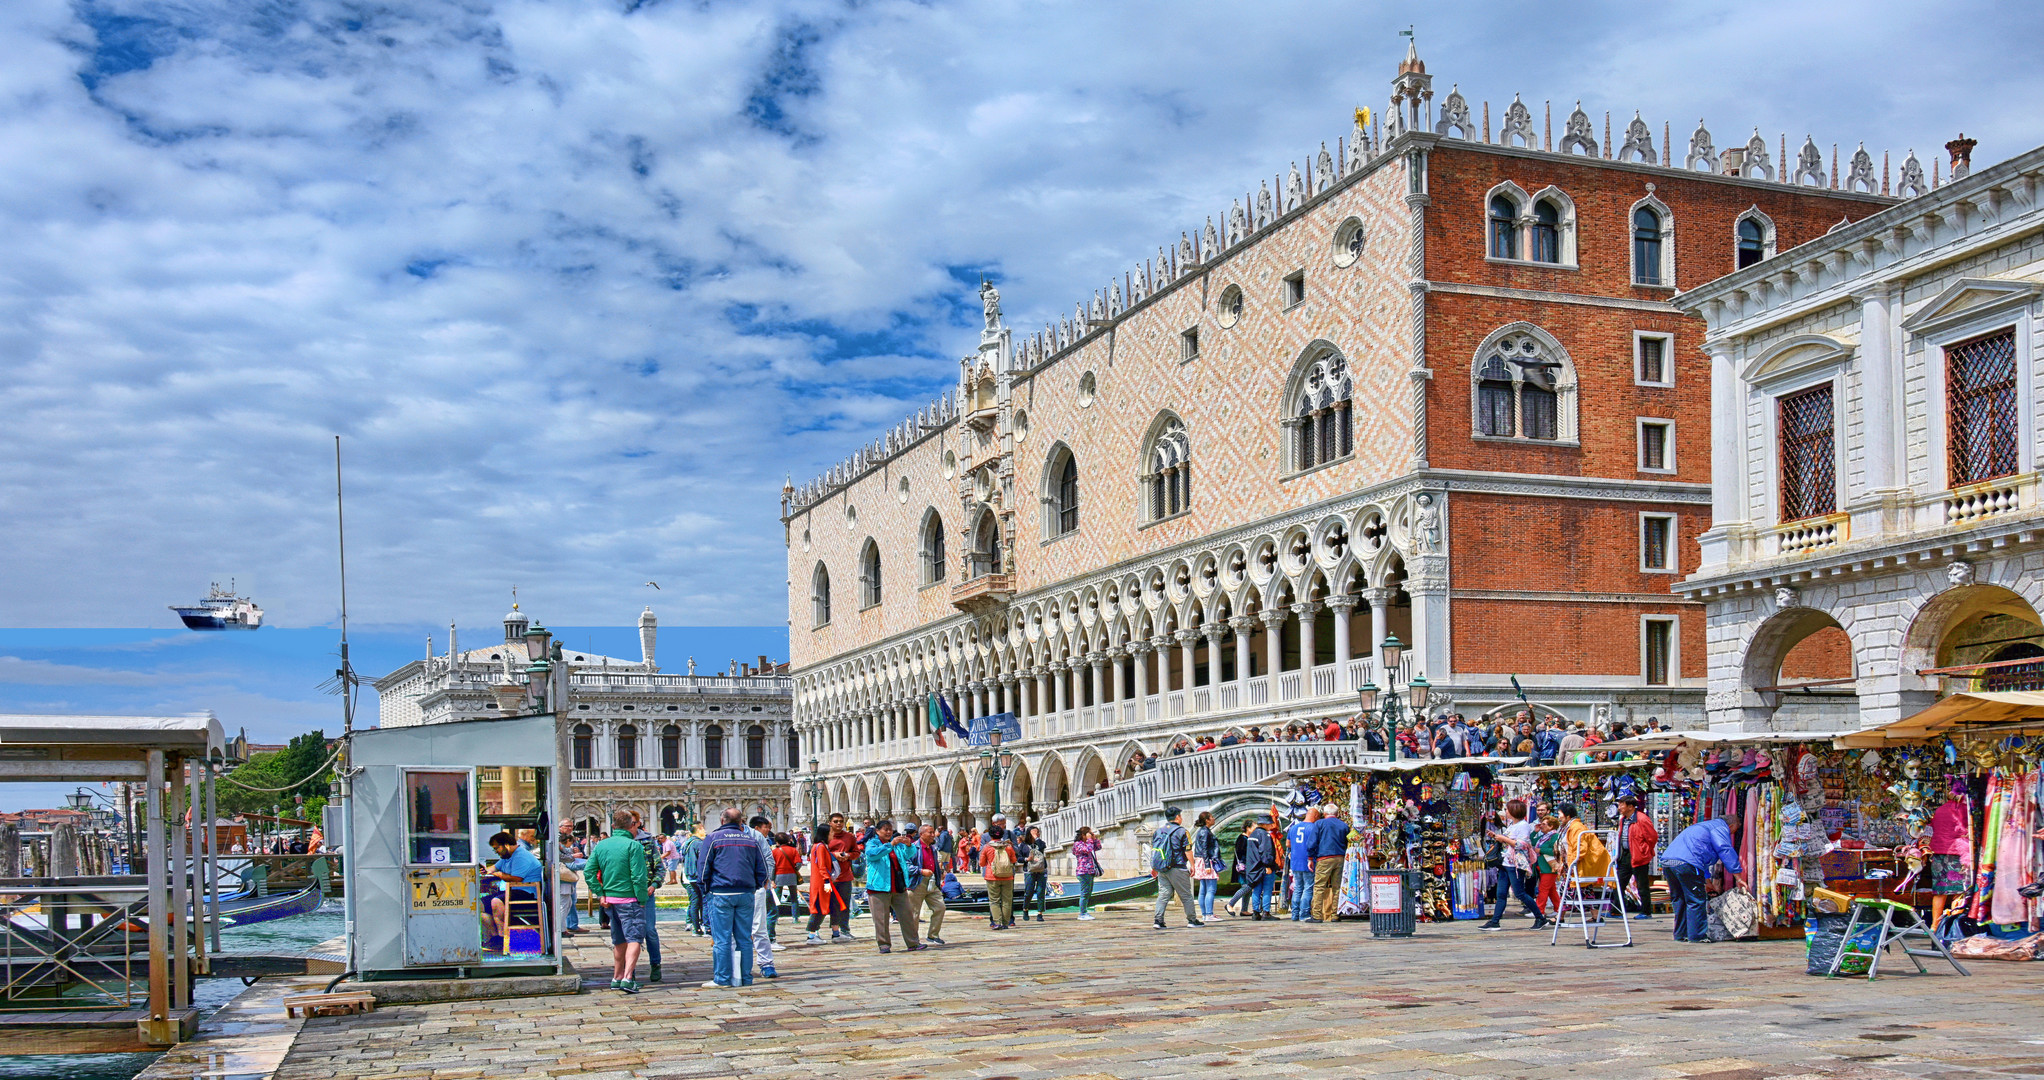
823	899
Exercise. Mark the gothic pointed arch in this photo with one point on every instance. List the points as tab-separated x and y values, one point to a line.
1317	418
869	574
1060	490
1166	468
1653	243
931	550
987	555
1753	237
1523	387
819	594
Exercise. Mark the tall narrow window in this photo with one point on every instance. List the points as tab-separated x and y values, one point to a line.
869	575
1504	228
713	747
1170	477
1656	542
1646	246
986	546
1809	484
1980	387
628	747
1545	233
1653	445
755	747
1752	241
1653	360
933	549
1494	413
1660	648
585	746
670	747
819	594
1068	496
1541	408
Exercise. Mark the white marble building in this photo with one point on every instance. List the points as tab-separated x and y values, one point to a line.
1876	519
674	746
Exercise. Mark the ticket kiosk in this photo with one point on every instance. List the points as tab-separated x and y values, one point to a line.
449	832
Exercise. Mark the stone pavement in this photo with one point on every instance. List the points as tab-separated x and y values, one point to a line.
1116	999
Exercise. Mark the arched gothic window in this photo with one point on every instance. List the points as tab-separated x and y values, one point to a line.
819	594
869	574
1545	233
628	747
1756	237
1320	410
1504	227
1169	481
713	747
585	746
1646	247
1061	494
670	747
755	747
933	548
1523	386
986	546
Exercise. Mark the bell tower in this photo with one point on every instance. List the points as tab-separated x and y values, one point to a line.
1412	93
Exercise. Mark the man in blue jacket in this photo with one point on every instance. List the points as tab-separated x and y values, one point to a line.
1689	861
731	869
1299	834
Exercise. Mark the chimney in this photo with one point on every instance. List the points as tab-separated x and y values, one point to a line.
765	665
1961	150
1734	161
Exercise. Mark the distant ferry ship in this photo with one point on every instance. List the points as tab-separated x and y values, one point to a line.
222	610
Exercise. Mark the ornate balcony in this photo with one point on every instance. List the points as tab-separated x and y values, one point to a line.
983	593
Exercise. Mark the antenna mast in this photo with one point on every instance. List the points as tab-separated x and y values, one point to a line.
346	675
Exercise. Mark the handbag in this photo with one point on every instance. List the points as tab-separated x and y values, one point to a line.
1203	870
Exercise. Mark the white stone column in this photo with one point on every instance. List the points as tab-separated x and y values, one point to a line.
1306	611
1099	666
1380	600
1188	660
1243	625
1727	460
1057	685
1140	651
1340	605
1213	635
1273	644
1120	681
1042	694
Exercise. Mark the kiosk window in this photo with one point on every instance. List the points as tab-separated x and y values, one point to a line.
439	832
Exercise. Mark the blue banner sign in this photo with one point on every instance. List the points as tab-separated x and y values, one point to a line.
981	728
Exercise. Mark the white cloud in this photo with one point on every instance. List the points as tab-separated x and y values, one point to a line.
503	249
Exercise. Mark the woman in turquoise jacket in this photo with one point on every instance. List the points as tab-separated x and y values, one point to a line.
883	857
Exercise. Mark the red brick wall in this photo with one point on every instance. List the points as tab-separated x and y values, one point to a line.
1518	637
1826	654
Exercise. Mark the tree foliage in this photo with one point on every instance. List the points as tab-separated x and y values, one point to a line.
299	769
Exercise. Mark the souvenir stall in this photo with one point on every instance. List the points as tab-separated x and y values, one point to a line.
1595	787
1820	824
1418	814
1966	805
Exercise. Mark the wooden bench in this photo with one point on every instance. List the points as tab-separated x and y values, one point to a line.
345	1004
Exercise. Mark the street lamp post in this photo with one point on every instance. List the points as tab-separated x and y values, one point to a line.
815	786
1391	710
996	759
688	807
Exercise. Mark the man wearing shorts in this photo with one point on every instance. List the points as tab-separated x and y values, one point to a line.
617	879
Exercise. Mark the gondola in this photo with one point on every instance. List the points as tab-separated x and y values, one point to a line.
243	908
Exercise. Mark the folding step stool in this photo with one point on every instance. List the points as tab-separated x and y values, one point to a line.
1610	898
1892	930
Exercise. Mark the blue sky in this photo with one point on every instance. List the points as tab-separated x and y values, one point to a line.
580	281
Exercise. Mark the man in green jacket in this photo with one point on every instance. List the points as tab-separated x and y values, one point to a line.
616	875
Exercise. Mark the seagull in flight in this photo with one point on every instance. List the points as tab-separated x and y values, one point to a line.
655	584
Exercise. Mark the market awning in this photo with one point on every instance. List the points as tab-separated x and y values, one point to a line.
2012	710
1673	740
1401	765
1583	767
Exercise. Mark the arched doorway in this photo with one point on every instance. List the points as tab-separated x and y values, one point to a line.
1800	669
672	819
1975	625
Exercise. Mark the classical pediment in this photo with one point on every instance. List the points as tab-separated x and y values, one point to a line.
1793	356
1968	300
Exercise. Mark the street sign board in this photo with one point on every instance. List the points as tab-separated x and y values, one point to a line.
980	729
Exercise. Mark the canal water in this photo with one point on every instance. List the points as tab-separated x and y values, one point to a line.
296	934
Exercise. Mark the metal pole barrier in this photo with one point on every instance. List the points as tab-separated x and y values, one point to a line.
180	886
212	859
159	907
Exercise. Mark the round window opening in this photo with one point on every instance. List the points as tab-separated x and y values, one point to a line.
1088	389
851	517
805	539
901	489
950	464
1021	425
1348	242
1231	305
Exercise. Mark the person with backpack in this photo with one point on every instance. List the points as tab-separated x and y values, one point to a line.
696	902
1170	852
1036	864
617	880
997	860
1515	842
892	871
650	845
1086	863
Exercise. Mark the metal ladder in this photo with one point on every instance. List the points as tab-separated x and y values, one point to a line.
1891	931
